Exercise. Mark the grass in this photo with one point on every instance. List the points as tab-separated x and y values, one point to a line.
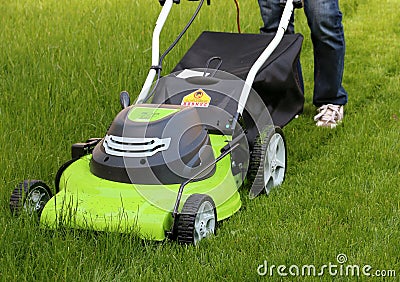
62	66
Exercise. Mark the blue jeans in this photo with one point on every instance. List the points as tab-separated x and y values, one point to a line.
325	21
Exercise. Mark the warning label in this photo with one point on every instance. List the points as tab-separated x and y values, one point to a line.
198	98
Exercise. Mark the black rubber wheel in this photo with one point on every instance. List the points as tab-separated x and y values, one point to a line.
30	196
197	219
268	160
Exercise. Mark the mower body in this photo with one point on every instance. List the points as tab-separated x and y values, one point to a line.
129	181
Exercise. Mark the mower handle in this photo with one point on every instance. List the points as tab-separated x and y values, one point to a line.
297	4
179	1
155	54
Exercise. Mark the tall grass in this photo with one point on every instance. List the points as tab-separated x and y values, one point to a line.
62	66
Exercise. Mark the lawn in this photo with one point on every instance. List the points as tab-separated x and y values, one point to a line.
62	66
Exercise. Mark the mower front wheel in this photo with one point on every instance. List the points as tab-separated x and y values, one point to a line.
30	196
197	219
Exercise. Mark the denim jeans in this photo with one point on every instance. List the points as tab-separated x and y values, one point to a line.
325	21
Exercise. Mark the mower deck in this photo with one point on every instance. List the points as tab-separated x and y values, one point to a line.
86	201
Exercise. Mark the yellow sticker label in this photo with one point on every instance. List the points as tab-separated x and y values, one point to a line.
198	98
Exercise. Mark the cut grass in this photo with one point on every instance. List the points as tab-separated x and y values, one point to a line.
60	76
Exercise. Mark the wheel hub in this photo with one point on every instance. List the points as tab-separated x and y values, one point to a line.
273	165
205	221
202	229
36	199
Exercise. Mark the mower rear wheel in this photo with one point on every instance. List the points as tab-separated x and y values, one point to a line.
30	196
268	162
197	219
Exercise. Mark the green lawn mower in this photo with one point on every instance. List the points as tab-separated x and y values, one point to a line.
171	163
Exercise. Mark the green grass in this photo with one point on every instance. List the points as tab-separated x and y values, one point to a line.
62	66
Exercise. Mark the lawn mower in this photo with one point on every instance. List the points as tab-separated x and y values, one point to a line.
171	163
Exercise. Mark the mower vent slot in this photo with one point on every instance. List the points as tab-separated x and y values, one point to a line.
134	147
134	144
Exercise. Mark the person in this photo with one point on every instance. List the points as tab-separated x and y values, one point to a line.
324	19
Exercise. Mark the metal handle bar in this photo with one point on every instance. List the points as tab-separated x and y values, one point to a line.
283	24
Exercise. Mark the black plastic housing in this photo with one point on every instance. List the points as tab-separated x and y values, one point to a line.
189	149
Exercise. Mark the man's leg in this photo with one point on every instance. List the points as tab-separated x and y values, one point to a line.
325	21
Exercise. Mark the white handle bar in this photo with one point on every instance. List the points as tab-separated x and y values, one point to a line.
155	55
283	24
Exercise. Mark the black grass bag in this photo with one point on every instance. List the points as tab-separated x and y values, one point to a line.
279	81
